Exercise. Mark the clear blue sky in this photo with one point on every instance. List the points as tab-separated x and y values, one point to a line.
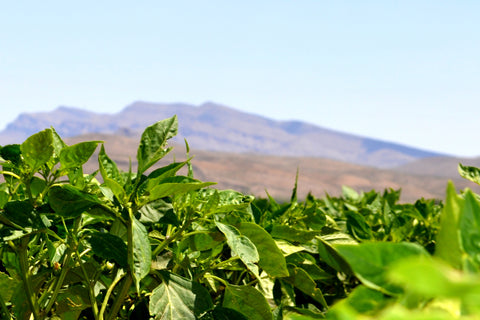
403	71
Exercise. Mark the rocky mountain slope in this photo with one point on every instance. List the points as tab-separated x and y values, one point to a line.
214	127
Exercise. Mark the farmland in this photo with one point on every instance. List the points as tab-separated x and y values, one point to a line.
85	236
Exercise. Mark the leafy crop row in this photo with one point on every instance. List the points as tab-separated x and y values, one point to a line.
153	243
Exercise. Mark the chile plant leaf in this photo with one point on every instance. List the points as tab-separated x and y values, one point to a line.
110	247
153	143
142	252
178	298
370	261
37	149
300	279
448	246
241	246
11	153
469	173
108	168
76	155
469	224
248	301
271	260
69	201
173	185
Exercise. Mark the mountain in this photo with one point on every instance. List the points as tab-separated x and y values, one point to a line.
215	127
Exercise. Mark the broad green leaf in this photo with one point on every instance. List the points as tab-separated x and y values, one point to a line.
142	252
271	260
370	261
117	190
37	149
108	168
350	194
205	241
178	298
367	301
241	246
11	153
21	213
221	313
110	247
174	185
431	278
292	234
448	246
357	226
76	155
8	285
300	279
469	224
153	143
71	303
158	211
248	301
469	173
69	201
162	173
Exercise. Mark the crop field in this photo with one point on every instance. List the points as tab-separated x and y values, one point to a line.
154	242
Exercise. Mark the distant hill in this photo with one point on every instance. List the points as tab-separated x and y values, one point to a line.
214	127
255	174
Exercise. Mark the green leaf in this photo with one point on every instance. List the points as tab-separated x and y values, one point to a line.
11	153
469	173
158	211
108	168
357	226
370	261
117	190
469	224
71	303
447	245
8	285
433	279
241	246
21	213
37	149
178	298
221	313
301	280
271	260
248	301
142	252
174	185
69	201
77	155
153	143
110	247
292	234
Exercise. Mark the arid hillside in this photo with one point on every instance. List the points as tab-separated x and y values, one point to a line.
254	173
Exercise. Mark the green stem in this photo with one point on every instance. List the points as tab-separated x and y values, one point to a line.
120	297
4	313
225	283
118	277
170	239
25	274
58	283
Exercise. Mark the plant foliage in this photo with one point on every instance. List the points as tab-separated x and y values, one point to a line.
157	243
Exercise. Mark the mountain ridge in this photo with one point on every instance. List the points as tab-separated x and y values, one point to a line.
216	127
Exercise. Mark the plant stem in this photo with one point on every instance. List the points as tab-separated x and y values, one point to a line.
118	277
127	282
59	282
4	313
25	274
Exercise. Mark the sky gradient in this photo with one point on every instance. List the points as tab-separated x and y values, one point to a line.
401	71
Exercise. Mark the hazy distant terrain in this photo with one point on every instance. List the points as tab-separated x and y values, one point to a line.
215	127
255	174
254	154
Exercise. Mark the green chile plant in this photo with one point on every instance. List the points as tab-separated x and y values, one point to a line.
153	244
149	243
